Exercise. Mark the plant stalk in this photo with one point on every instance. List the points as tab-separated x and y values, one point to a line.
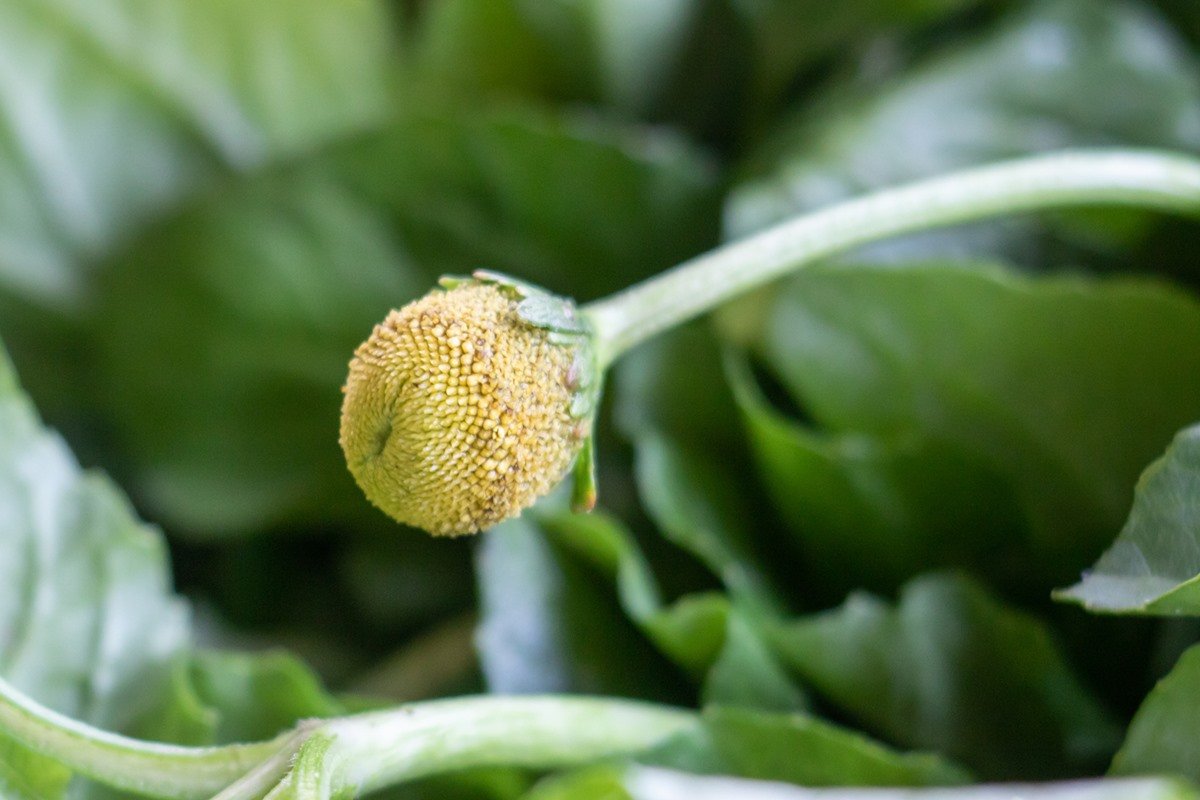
147	768
352	754
1143	178
547	732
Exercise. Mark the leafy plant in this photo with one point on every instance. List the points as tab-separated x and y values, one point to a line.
831	514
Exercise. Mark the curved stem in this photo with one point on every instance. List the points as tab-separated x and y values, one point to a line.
160	770
379	749
1164	181
358	753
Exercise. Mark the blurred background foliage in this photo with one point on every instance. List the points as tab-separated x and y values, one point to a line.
205	205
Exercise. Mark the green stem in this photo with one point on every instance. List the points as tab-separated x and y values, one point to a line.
351	754
380	749
1164	181
159	770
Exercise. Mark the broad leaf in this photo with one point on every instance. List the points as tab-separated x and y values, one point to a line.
873	510
692	466
1154	565
797	748
1063	388
82	572
88	623
219	698
543	614
790	35
951	669
547	624
1066	73
117	109
1164	736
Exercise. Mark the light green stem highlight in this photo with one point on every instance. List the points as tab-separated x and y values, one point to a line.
1158	180
348	755
158	770
380	749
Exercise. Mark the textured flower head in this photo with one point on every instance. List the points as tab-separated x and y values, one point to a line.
459	411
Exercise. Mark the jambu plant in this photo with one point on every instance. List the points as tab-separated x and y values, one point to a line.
467	405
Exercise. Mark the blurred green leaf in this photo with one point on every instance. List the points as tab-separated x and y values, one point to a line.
590	783
1154	565
790	35
1066	73
548	624
623	54
952	669
875	510
543	612
1062	387
1164	736
90	627
219	698
693	469
718	642
701	64
696	507
116	110
227	406
87	618
88	623
797	748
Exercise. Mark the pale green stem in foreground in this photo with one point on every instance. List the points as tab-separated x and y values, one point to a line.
159	770
643	783
1157	180
356	753
383	748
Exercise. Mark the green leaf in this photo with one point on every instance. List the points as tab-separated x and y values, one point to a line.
1063	388
1067	73
88	623
951	669
296	266
546	626
543	613
1164	736
747	674
799	749
658	784
695	506
691	464
1154	565
116	110
81	572
719	643
220	698
873	510
619	53
590	783
791	35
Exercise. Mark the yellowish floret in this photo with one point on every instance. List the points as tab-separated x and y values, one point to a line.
457	412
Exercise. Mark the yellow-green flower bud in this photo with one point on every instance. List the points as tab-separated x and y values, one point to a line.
458	410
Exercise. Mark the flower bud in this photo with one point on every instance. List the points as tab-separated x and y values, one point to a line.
458	410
